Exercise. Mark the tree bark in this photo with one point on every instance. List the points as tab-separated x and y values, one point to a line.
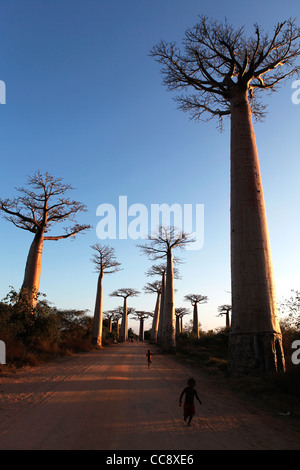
155	322
178	328
162	306
169	337
141	332
124	323
32	275
98	316
255	337
195	320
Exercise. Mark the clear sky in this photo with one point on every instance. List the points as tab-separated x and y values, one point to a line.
85	102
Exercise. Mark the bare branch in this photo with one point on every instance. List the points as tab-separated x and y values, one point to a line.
104	259
125	292
164	241
31	210
215	60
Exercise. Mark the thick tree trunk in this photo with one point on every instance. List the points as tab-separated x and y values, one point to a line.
255	337
98	317
169	337
141	332
161	314
178	329
118	329
195	320
124	323
33	268
155	322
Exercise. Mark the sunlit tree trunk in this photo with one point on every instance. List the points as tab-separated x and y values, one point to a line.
155	323
124	323
169	341
195	320
33	268
255	337
98	314
141	331
162	306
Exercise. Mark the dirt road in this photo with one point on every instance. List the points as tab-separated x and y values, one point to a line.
109	400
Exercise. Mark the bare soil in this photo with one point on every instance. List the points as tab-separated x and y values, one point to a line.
110	400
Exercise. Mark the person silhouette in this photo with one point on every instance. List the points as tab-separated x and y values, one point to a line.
189	403
149	355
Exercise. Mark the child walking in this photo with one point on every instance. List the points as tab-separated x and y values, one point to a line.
189	404
148	355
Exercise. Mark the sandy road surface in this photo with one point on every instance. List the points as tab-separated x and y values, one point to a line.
110	400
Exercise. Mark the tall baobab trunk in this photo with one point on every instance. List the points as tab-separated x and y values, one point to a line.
255	331
98	317
162	306
178	325
141	332
33	268
195	320
155	322
118	328
169	308
124	323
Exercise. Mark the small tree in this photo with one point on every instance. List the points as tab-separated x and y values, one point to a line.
225	310
141	315
105	261
196	299
162	245
125	293
36	210
180	312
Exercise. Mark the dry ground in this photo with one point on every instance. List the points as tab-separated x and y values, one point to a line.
109	400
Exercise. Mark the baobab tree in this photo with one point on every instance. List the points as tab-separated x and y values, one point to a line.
225	72
141	315
105	261
154	288
161	246
37	209
225	310
179	313
196	299
160	270
125	293
114	315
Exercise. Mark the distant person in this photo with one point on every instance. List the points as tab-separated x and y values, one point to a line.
149	356
189	403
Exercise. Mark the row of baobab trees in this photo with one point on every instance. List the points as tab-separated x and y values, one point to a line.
221	72
166	319
115	315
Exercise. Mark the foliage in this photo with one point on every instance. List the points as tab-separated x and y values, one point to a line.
31	337
291	307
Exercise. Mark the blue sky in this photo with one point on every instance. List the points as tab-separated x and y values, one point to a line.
85	102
